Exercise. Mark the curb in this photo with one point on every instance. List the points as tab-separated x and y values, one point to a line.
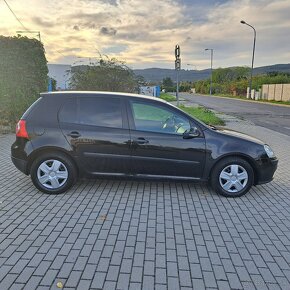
249	101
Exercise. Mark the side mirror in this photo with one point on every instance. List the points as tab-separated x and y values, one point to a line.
192	133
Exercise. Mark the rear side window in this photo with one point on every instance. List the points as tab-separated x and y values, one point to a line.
103	112
68	113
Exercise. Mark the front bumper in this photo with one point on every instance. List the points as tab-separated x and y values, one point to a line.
266	170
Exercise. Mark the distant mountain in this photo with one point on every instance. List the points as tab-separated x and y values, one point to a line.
271	68
156	75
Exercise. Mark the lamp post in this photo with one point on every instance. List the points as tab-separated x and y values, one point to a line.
211	58
253	55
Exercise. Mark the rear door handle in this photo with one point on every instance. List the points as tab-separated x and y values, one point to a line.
74	134
141	141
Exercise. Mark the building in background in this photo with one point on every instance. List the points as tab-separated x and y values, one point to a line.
150	91
61	73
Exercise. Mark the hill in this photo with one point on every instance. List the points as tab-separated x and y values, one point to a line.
156	75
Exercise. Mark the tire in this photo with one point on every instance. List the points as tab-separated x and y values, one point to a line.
53	173
232	177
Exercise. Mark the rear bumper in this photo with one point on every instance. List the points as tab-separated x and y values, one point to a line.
267	170
20	164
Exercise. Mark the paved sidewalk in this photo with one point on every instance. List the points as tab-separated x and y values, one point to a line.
126	234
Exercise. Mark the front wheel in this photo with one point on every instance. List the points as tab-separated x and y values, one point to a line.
53	173
232	177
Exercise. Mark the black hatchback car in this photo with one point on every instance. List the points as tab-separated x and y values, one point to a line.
64	135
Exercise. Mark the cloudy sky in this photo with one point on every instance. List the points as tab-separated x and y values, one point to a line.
144	32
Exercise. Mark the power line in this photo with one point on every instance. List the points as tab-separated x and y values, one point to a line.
24	25
15	15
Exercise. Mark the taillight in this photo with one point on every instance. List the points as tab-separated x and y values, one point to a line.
21	129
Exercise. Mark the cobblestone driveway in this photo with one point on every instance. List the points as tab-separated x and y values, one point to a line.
126	234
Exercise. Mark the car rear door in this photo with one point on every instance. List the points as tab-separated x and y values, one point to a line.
97	129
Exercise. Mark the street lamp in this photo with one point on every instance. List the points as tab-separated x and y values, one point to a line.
211	57
253	56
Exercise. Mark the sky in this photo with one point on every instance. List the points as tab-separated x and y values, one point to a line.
143	33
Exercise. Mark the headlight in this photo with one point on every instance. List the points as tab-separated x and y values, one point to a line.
269	151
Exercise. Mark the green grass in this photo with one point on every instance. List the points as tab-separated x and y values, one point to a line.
203	114
276	102
167	97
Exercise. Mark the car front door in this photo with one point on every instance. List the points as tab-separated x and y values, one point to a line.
97	129
158	143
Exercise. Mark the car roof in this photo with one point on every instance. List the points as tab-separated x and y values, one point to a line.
99	93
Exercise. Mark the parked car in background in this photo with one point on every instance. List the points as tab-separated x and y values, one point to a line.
64	135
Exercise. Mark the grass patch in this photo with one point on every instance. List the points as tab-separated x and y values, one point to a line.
167	97
203	114
276	102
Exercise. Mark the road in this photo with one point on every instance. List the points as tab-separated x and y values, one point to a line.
276	118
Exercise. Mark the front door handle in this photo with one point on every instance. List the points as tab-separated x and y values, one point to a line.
74	134
141	141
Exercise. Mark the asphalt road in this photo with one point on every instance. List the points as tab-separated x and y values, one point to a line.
276	118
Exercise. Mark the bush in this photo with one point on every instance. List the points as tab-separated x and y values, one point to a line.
23	75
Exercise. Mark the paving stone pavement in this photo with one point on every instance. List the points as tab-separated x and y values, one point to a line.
128	234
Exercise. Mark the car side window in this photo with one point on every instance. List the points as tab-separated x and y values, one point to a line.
104	112
95	111
154	118
68	112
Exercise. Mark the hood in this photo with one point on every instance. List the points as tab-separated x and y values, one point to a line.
239	135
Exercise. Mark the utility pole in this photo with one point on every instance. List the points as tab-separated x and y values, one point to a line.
177	68
211	59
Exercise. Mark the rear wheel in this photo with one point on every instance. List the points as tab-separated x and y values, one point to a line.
53	173
232	177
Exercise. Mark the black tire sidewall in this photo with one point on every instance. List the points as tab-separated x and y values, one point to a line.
56	156
224	163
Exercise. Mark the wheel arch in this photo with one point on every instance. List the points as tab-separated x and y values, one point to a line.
35	154
247	158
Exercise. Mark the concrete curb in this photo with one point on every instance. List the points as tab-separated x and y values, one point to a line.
242	100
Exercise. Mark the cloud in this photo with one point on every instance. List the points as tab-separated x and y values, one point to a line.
108	2
144	33
108	31
111	2
42	22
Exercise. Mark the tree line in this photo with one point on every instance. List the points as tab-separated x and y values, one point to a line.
235	80
229	81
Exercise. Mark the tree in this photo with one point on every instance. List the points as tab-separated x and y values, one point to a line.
224	75
105	75
168	84
23	75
